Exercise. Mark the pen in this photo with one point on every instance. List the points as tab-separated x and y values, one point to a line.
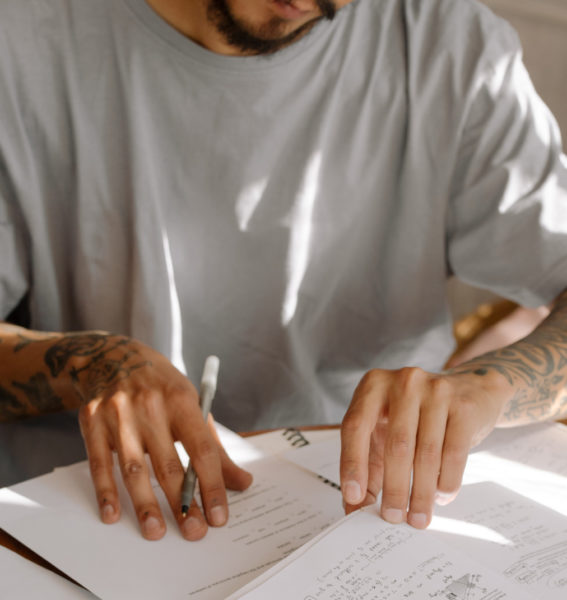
206	395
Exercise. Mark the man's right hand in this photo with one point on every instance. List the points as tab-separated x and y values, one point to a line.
132	401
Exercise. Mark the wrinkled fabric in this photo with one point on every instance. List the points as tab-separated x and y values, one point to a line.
297	214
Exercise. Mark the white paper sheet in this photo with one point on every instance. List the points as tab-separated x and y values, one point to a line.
21	578
510	534
321	457
364	557
56	515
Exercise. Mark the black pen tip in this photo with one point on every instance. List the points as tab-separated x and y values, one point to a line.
184	510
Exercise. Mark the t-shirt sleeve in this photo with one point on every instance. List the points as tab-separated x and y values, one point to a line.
507	220
13	272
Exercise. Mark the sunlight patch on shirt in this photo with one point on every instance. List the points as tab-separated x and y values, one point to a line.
301	226
176	341
248	201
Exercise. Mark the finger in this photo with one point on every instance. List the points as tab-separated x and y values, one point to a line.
205	457
360	420
376	459
194	525
427	461
458	441
135	471
101	463
399	447
375	470
170	474
235	478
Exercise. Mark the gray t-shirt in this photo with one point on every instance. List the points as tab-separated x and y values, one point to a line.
296	214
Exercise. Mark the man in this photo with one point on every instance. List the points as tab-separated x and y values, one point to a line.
287	184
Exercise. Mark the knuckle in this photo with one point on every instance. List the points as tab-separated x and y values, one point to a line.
410	376
368	381
133	469
398	445
169	469
455	453
376	463
428	452
395	498
88	418
206	450
421	498
439	387
353	421
99	466
349	467
216	494
115	406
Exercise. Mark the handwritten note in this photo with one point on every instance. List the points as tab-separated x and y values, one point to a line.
530	545
364	558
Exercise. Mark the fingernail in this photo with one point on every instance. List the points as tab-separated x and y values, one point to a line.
352	492
443	498
192	527
392	515
152	527
418	520
218	516
108	513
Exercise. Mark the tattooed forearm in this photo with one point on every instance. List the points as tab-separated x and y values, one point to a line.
10	406
103	373
40	394
26	341
536	367
53	372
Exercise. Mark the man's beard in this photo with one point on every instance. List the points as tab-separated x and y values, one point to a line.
265	39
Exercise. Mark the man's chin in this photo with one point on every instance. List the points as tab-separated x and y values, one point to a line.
274	35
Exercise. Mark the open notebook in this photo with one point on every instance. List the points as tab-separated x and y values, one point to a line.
286	534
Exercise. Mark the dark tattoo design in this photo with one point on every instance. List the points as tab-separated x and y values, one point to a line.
10	406
90	344
40	394
27	341
103	372
536	366
103	361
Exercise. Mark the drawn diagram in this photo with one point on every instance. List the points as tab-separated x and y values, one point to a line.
547	566
469	587
460	589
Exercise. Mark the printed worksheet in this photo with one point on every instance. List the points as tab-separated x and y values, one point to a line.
56	515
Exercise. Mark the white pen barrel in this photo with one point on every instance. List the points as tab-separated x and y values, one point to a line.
209	383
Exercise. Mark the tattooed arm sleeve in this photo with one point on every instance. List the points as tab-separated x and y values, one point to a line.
535	369
47	372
